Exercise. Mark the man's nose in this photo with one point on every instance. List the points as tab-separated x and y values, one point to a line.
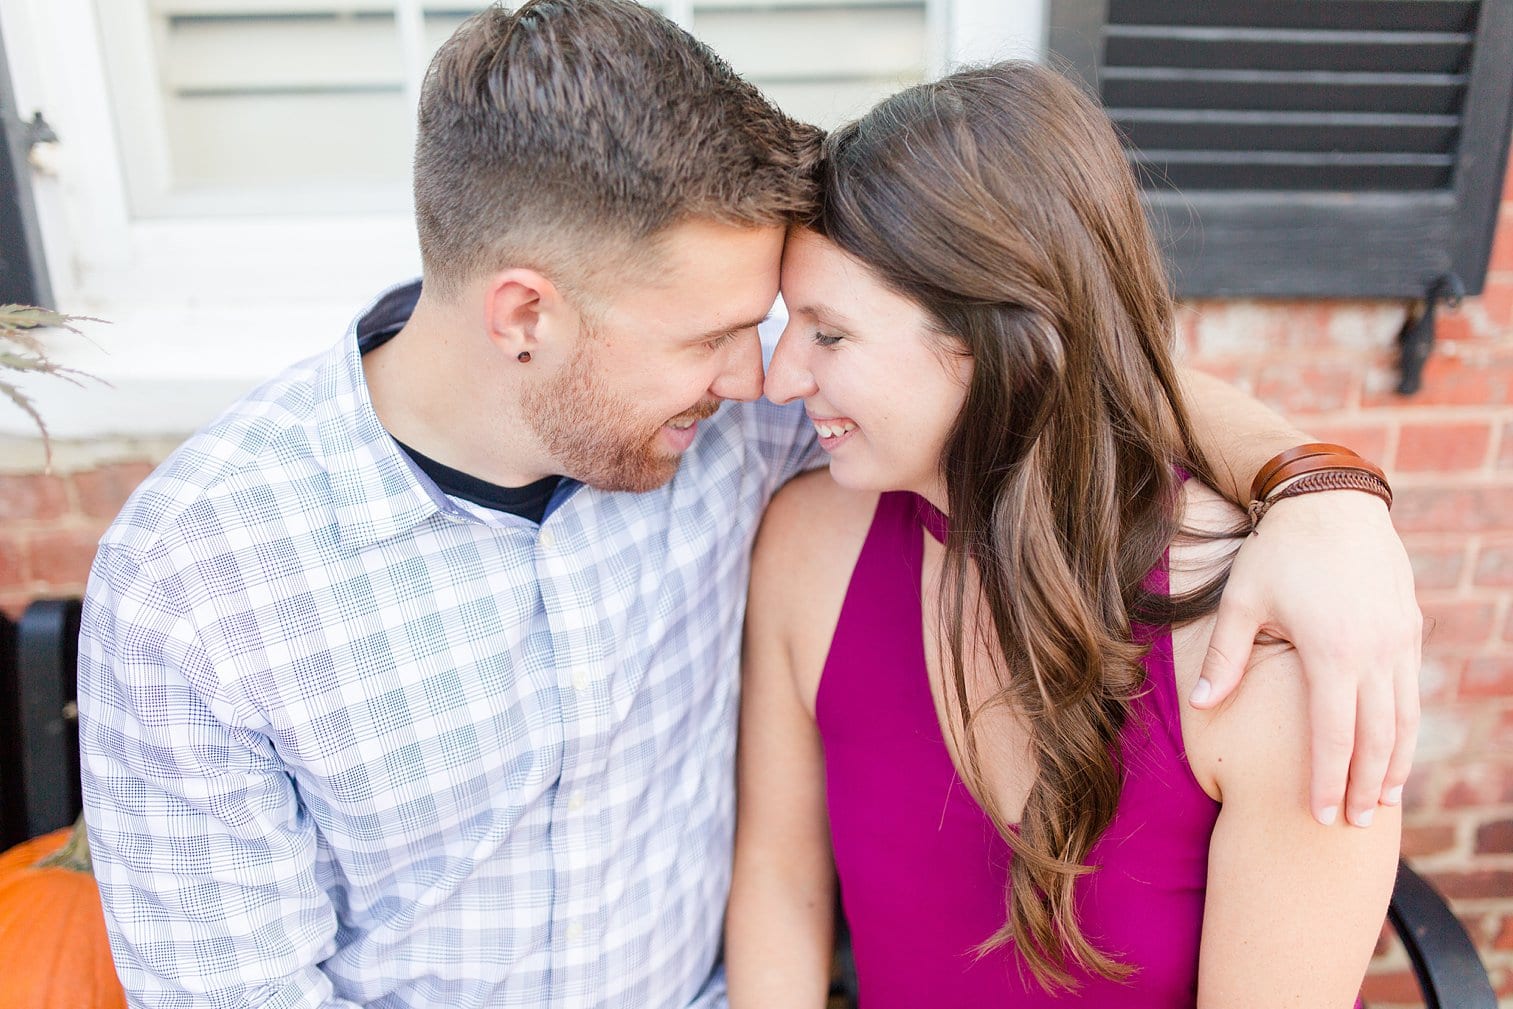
741	378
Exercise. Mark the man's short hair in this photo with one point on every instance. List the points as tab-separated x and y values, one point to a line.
564	134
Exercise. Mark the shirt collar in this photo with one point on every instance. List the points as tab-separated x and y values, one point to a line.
376	492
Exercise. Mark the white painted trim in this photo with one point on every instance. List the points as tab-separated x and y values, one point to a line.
132	66
410	22
982	31
937	38
200	309
679	11
58	67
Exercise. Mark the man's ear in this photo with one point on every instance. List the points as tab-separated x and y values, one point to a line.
523	309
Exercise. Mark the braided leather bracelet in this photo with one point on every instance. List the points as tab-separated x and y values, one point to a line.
1351	477
1310	458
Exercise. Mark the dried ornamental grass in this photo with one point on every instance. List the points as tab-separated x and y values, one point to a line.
22	351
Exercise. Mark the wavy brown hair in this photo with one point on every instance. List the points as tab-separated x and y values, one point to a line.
999	199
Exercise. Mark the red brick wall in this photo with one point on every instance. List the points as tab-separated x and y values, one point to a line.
1449	451
50	524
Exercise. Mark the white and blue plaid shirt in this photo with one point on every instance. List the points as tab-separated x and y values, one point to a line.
348	740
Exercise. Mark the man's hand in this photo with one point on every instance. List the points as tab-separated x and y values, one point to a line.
1328	573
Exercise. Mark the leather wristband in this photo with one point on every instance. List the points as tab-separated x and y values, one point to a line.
1323	480
1310	469
1315	464
1267	473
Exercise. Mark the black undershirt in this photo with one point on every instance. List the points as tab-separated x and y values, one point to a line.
529	502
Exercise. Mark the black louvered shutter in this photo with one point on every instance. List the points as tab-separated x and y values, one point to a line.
1326	148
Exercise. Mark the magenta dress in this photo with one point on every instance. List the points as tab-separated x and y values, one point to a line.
922	871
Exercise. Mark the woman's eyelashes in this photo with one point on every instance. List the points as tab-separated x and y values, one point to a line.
825	339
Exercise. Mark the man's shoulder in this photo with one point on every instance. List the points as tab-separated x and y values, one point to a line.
263	446
785	417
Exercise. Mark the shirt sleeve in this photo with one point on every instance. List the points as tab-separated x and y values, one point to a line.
203	853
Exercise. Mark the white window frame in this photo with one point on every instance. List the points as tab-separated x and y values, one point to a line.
202	308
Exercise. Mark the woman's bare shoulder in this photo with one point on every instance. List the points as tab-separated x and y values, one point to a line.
1258	732
813	524
809	543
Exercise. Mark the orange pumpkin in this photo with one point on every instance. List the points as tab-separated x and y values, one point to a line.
53	950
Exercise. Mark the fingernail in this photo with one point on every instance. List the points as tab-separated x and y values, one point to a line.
1394	795
1364	818
1327	815
1201	691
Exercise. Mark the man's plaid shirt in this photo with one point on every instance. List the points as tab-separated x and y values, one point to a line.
347	740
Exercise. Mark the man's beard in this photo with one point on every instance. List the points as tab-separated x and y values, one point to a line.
598	438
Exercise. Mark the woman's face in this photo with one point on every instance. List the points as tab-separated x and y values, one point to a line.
881	387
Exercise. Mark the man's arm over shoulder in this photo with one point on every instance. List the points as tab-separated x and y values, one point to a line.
786	438
1328	573
202	853
1293	908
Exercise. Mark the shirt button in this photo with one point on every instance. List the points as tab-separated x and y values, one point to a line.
575	801
574	932
580	679
546	539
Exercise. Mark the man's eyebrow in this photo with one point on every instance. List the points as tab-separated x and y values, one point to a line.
715	334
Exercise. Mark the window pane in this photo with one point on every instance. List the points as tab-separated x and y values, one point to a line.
274	101
275	106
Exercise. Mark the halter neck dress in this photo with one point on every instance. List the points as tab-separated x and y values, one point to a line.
922	869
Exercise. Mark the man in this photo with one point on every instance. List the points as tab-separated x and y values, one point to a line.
410	681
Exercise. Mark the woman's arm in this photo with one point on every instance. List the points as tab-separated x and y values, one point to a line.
779	927
1293	908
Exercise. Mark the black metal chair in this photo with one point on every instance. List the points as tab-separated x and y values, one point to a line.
1450	973
41	744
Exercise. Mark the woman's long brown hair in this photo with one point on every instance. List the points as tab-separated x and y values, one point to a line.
1000	200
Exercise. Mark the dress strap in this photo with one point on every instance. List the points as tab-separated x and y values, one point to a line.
930	517
878	630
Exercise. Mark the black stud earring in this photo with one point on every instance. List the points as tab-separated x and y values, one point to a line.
523	356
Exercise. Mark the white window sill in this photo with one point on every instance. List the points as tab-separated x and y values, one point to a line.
201	311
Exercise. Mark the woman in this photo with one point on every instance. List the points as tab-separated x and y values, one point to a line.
979	329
